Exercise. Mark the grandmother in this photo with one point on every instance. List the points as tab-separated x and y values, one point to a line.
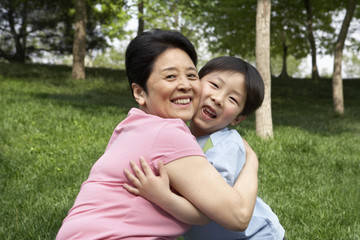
161	69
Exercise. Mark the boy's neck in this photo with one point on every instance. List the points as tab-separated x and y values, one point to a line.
199	132
196	131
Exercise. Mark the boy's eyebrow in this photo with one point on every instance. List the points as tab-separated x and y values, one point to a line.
220	79
237	92
223	82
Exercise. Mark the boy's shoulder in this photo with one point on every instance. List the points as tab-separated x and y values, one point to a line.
226	136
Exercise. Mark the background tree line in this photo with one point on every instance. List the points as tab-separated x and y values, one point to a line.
298	28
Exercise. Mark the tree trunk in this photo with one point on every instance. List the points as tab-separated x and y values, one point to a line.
314	69
284	73
337	84
20	54
141	17
79	46
264	125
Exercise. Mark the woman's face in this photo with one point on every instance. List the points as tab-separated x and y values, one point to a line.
173	87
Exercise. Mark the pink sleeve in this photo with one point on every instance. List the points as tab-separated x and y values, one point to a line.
174	141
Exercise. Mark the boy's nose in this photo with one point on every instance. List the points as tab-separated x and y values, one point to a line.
216	98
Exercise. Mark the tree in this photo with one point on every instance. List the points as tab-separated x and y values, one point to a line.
140	17
337	85
229	27
79	46
28	28
288	32
310	34
22	21
264	126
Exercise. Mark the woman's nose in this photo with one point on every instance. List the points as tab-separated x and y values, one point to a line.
184	84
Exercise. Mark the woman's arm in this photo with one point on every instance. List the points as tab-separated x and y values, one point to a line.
199	182
157	190
247	181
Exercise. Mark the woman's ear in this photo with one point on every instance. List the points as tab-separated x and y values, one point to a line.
139	94
238	119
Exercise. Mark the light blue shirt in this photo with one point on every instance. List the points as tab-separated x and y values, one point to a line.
228	156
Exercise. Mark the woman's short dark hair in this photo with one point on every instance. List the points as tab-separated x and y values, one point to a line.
144	49
253	81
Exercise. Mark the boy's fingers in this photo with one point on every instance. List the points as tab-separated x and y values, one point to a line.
132	178
130	189
145	166
138	172
162	169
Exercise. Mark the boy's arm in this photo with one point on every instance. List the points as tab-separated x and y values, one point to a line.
156	189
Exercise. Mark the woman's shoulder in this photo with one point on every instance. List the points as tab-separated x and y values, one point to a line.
138	114
156	126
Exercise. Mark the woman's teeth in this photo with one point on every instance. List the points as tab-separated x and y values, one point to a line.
182	101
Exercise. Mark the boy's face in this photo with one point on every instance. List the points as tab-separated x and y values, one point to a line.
222	100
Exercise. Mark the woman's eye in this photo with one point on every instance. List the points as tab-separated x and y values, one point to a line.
170	76
192	76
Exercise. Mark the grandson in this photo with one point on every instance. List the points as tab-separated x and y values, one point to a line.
231	90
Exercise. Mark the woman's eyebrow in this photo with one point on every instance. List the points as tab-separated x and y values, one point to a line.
174	68
169	69
192	68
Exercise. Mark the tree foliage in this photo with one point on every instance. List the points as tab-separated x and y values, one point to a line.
30	27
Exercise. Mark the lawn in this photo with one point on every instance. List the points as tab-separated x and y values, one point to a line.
54	128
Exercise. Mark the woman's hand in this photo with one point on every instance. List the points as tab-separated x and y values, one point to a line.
250	154
146	183
248	149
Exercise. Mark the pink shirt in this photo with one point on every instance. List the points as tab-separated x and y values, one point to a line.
103	208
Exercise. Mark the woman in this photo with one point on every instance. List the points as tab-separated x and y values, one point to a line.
161	68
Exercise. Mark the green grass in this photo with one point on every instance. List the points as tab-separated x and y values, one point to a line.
52	130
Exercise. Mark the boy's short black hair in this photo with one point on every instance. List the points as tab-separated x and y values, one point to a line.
253	81
144	49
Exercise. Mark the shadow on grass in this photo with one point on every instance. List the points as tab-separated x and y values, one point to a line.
308	105
56	73
102	88
92	99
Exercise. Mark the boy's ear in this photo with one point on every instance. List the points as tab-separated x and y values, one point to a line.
139	94
238	119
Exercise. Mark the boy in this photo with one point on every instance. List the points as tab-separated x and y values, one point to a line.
231	90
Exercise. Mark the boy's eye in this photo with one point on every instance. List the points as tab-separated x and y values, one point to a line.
233	100
214	85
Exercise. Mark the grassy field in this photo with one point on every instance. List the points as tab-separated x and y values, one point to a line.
53	129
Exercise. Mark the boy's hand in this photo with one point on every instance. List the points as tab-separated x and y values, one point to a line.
147	184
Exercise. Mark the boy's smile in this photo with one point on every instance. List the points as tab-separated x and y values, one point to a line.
209	112
222	100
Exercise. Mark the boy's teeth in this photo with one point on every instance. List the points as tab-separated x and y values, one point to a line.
210	112
182	101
